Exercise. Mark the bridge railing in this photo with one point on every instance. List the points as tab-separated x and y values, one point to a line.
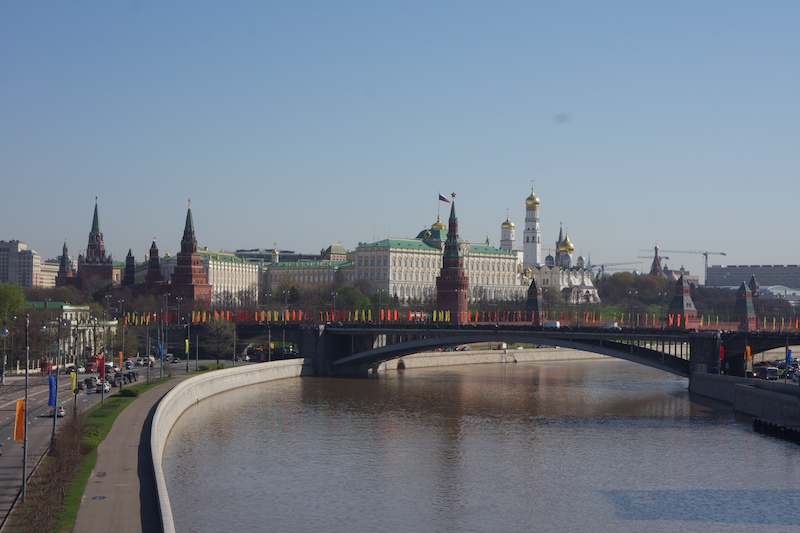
573	319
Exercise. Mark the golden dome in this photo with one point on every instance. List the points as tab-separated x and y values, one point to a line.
566	245
438	224
507	224
532	200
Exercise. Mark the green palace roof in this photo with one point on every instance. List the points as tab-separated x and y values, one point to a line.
308	264
419	244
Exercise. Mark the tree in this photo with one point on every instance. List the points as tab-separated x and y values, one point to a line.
12	300
131	340
351	298
220	337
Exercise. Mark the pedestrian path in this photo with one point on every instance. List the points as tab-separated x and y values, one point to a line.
120	495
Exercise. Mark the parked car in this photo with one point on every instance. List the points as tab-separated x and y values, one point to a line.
175	360
60	410
103	386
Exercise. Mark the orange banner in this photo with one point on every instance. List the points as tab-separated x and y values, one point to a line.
19	421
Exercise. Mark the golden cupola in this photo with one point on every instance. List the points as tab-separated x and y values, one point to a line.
566	245
532	200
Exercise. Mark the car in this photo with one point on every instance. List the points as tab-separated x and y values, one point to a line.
103	386
175	360
60	410
127	365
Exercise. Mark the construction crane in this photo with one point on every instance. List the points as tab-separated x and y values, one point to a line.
705	258
601	268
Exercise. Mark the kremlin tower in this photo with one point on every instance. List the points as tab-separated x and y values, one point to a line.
452	283
189	280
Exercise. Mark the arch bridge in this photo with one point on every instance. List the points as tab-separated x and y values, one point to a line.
359	349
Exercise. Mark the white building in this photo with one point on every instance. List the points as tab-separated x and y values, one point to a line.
18	265
407	268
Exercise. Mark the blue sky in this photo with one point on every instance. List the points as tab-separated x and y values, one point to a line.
309	123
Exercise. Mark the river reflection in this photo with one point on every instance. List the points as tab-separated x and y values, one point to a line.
583	446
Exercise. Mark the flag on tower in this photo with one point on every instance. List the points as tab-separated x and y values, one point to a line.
443	199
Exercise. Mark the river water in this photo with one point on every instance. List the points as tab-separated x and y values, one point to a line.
581	446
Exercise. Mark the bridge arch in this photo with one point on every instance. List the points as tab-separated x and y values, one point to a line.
640	351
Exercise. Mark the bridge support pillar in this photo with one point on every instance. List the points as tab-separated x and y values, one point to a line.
704	354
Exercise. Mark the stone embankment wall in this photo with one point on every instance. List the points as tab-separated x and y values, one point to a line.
200	387
190	392
754	397
472	356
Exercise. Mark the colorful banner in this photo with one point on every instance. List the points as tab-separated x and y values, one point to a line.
51	398
19	421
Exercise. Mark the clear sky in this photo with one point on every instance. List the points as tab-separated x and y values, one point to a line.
310	123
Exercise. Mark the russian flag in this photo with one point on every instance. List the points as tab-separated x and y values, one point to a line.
443	199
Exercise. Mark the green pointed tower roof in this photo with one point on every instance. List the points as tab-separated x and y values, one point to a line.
188	229
95	220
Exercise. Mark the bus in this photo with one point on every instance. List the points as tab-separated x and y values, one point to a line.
93	363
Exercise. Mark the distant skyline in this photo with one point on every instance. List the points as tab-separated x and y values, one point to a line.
306	124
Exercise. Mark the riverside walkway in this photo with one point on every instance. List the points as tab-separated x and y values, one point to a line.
120	494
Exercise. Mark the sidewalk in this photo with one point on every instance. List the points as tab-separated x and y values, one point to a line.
120	494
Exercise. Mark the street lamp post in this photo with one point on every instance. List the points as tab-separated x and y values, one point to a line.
334	294
55	393
4	334
285	312
633	297
75	368
165	335
124	327
188	336
25	414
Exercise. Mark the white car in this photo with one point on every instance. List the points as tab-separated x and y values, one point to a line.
61	411
103	386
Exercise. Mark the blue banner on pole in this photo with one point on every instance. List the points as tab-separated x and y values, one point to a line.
51	400
788	357
159	350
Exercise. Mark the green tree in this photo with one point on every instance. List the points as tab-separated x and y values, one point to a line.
131	340
351	298
12	300
219	340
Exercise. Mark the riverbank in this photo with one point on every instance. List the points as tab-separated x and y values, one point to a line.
473	357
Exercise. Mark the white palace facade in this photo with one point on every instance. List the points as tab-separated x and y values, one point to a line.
406	268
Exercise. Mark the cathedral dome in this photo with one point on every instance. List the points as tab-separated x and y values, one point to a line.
438	224
566	245
507	225
532	200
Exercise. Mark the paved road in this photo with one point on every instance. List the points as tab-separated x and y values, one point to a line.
40	428
123	475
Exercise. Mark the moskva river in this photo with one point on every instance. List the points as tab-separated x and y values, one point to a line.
580	446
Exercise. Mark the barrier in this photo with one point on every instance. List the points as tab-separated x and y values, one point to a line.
191	392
